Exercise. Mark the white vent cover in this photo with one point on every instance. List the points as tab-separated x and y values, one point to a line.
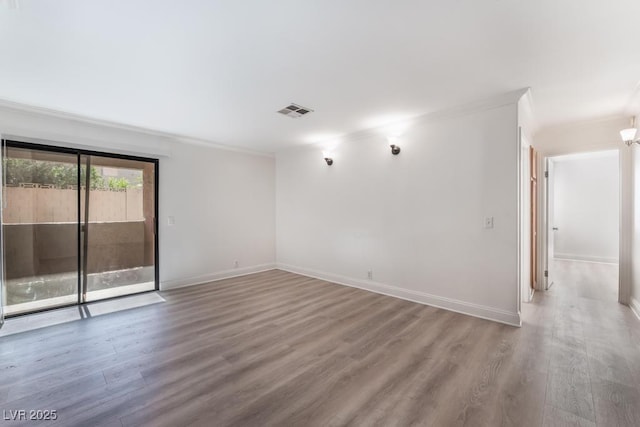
294	111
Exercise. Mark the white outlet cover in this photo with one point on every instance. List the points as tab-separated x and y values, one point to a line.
171	220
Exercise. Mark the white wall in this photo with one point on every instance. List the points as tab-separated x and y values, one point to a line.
586	206
223	201
635	285
415	220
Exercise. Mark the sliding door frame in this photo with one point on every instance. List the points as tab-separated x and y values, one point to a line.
78	152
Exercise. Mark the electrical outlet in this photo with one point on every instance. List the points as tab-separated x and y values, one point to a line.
171	220
370	274
236	264
488	222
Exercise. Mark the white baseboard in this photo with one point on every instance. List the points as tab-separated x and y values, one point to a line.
212	277
529	297
635	307
463	307
590	258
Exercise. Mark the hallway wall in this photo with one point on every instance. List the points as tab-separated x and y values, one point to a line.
635	285
586	207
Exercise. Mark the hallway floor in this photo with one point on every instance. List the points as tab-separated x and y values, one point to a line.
589	346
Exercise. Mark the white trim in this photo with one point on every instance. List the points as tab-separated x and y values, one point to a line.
526	115
635	307
543	217
218	146
519	216
589	258
463	307
626	226
529	296
37	112
213	277
43	112
626	221
435	116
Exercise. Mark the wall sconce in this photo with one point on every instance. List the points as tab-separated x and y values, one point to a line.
328	157
628	135
395	149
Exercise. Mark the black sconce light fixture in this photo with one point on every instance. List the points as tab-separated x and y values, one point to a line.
395	149
328	157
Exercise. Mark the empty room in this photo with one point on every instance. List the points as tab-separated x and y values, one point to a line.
319	213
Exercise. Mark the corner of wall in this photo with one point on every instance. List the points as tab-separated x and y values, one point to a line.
215	276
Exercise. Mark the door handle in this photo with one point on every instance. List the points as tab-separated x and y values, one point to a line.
555	228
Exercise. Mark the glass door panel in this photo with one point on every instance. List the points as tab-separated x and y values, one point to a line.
40	229
118	226
76	227
3	299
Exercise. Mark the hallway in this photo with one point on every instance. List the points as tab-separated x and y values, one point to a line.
590	345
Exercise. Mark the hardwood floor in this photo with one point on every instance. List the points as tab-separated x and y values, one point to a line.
275	348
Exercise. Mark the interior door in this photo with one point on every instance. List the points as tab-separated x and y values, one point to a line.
550	231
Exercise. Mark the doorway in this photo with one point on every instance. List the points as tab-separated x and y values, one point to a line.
78	226
528	219
582	215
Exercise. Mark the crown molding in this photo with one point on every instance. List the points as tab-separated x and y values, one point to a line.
501	100
43	112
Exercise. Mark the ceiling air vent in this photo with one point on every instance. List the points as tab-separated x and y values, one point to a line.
294	111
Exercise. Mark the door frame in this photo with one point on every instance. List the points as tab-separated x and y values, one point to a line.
78	152
625	158
533	223
548	183
525	291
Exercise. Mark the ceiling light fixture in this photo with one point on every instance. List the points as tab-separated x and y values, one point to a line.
629	135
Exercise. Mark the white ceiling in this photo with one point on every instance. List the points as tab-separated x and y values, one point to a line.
218	70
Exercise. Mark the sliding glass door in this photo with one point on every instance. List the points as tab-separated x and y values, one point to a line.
77	226
40	228
118	227
3	300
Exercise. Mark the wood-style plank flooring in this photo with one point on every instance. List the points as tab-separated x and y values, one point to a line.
275	348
